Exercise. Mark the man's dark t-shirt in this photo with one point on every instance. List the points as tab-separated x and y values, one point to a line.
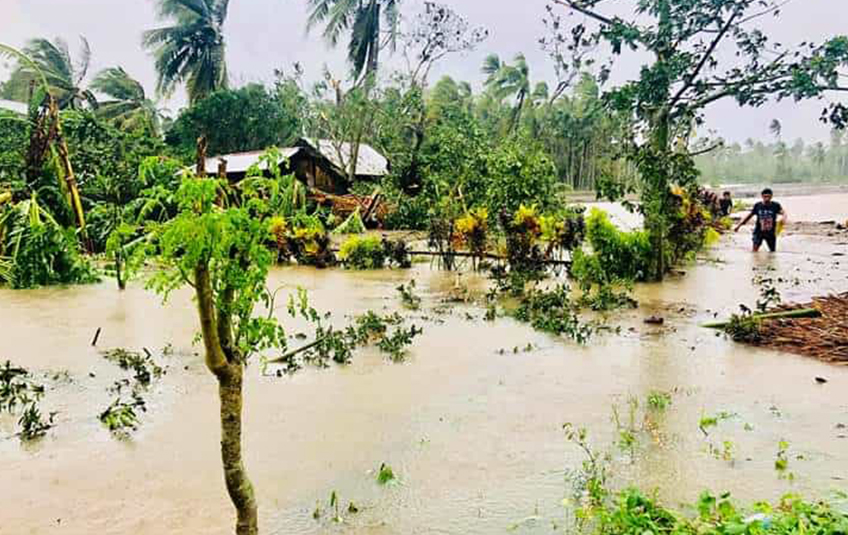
766	217
726	206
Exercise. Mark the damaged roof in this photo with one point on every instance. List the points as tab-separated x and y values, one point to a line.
240	162
369	163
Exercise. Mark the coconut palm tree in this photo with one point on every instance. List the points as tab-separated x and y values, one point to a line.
192	49
64	77
372	25
129	106
505	80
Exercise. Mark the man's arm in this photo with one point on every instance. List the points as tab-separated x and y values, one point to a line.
744	221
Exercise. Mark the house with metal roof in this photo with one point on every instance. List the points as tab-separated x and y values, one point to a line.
18	108
319	163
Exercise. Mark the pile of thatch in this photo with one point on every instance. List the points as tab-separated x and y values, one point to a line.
824	337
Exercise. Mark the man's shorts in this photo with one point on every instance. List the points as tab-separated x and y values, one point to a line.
769	237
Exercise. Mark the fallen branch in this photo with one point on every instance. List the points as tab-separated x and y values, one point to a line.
790	314
295	352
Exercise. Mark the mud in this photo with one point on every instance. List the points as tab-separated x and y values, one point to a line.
472	432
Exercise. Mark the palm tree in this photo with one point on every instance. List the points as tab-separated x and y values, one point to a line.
64	77
509	81
364	20
129	108
192	50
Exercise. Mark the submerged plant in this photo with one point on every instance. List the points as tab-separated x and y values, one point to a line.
397	343
18	390
659	400
408	296
385	474
121	417
554	312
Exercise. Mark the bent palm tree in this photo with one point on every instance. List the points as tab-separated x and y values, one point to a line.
364	20
129	108
51	62
192	50
46	129
507	80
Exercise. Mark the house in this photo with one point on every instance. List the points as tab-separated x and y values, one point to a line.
17	108
319	163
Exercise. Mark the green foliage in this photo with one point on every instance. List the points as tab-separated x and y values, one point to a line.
193	49
396	344
758	162
143	367
554	312
17	389
363	252
658	400
39	250
51	62
352	225
230	242
744	328
519	173
408	297
385	474
121	417
239	120
616	255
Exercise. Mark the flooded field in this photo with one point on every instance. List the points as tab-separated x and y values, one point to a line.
472	429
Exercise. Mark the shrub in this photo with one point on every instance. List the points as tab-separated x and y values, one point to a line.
616	255
40	252
363	252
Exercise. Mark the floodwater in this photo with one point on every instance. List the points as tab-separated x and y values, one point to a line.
474	434
813	207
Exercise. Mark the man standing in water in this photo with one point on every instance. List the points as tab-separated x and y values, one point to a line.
766	227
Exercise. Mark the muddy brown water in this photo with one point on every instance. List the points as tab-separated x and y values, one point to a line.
474	434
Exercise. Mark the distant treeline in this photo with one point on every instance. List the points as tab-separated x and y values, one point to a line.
777	162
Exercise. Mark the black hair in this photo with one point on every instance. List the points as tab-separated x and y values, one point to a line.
727	193
767	191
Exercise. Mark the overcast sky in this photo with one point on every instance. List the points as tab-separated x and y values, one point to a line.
266	34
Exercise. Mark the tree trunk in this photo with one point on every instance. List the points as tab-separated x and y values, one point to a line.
238	483
228	370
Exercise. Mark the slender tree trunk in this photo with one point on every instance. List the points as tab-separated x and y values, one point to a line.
239	487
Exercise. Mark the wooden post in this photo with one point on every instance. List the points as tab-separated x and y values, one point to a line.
222	169
200	168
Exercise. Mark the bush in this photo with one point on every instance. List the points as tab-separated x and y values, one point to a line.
616	255
519	173
39	251
363	252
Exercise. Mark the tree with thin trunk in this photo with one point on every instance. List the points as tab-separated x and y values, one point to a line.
505	80
192	49
693	54
128	106
217	245
372	25
51	62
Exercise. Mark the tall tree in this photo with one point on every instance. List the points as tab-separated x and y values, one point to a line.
512	81
192	49
371	24
64	76
682	46
129	106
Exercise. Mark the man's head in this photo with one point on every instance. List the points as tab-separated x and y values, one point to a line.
726	194
767	195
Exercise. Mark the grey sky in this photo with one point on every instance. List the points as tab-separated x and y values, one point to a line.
267	34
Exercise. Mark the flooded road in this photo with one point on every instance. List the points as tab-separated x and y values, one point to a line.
473	433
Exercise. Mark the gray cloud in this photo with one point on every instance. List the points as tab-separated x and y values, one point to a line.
267	34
